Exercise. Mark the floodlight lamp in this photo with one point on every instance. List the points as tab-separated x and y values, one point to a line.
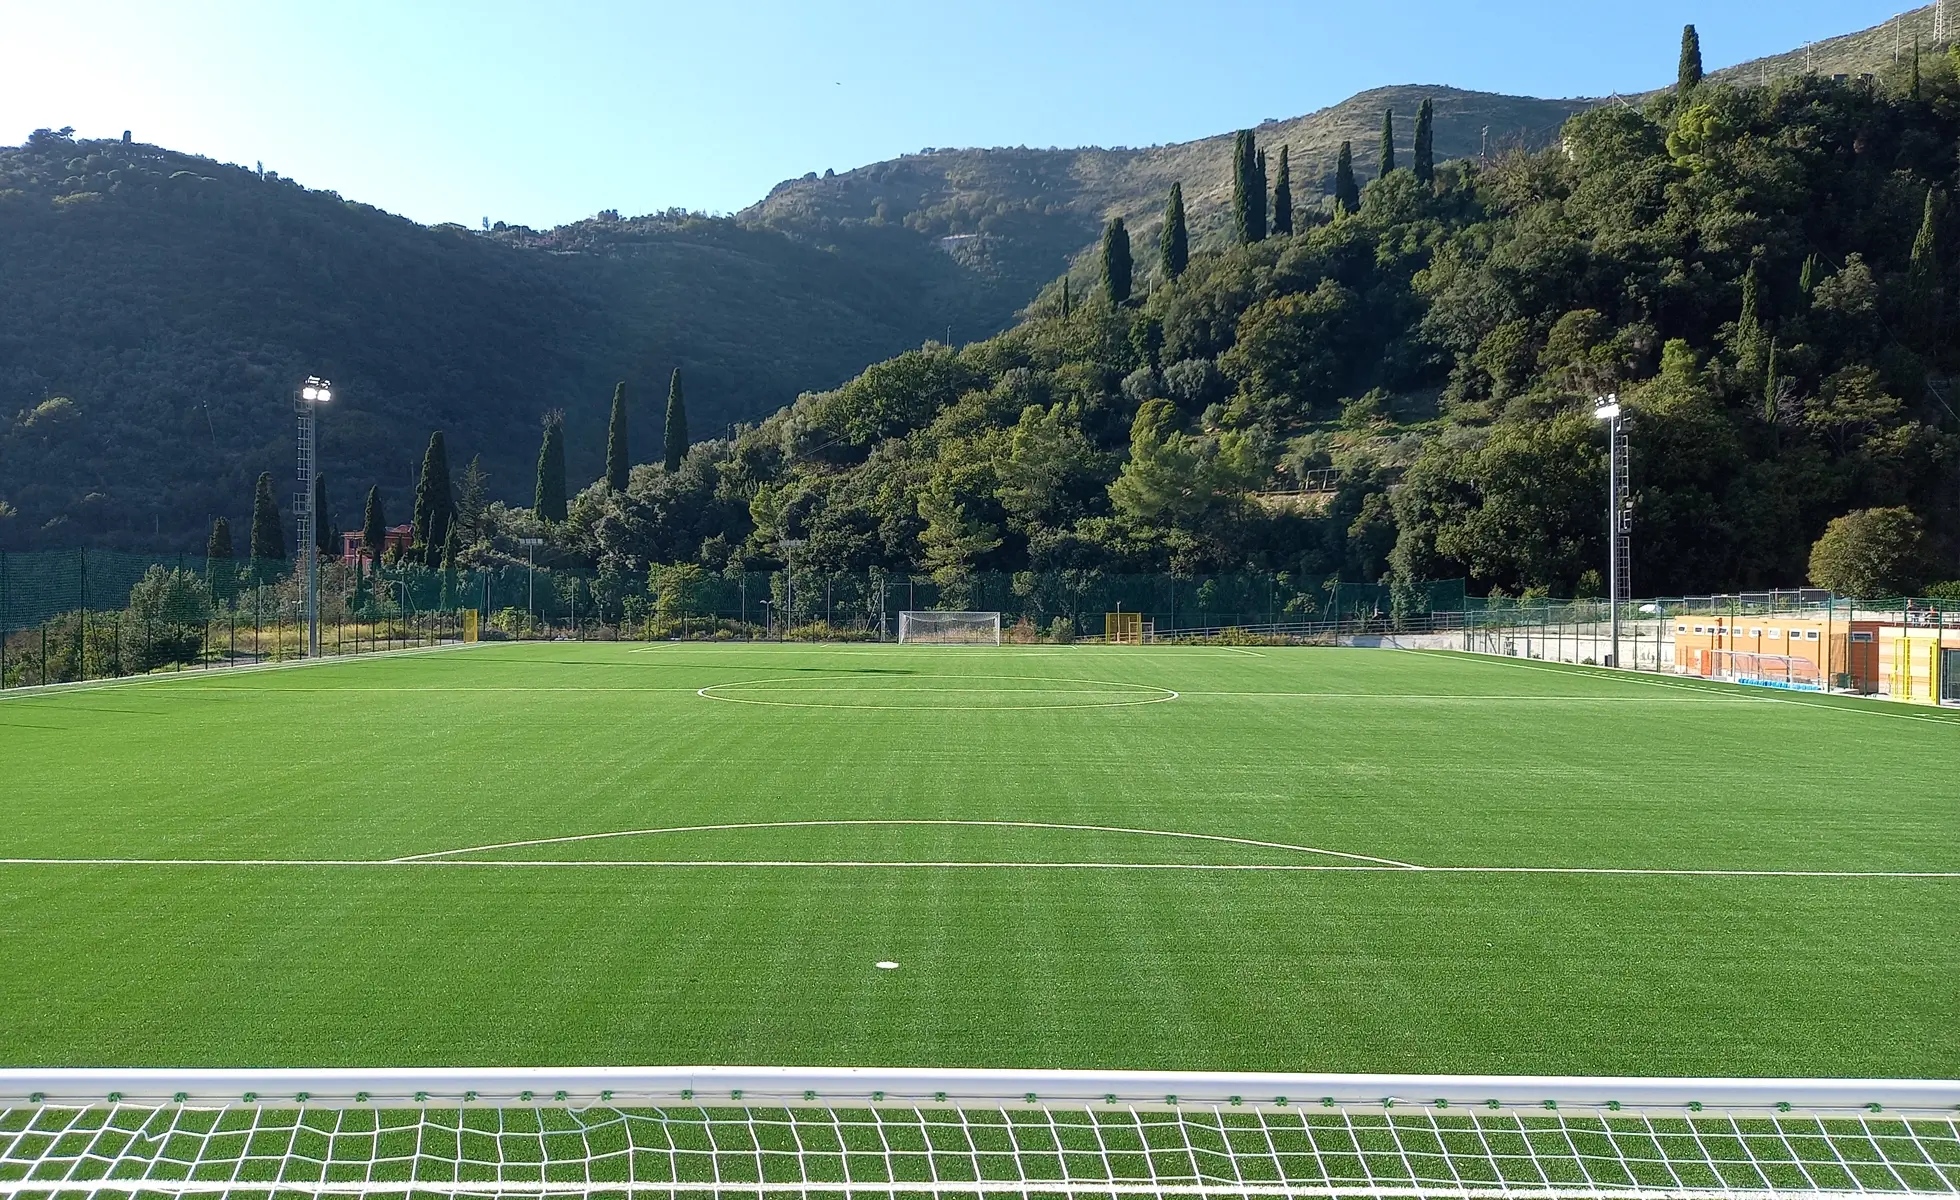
325	395
309	393
1606	407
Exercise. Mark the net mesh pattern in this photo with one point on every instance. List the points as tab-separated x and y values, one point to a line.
962	628
251	1150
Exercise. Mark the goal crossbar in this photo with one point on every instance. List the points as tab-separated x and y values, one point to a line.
944	627
897	1132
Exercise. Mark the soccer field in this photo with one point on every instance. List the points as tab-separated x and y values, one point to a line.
1115	857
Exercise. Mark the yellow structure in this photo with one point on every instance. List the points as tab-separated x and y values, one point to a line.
469	624
1123	629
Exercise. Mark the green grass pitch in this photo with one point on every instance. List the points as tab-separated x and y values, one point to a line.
399	861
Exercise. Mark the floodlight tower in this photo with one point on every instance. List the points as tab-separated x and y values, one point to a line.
1619	517
306	401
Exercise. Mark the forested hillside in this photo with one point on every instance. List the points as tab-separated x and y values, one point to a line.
1766	275
156	309
1019	216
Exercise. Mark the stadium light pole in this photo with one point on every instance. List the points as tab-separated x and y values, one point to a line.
1619	517
307	399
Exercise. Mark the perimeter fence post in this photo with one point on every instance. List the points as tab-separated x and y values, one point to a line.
81	651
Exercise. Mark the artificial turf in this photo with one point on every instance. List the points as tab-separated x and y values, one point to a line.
266	927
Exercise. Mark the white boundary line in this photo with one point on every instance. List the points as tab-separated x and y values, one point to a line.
918	821
863	864
708	693
190	675
1711	688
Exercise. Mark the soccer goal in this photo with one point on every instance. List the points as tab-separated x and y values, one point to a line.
930	627
747	1131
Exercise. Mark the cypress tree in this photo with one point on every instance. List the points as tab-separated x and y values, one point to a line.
1242	189
1387	155
1174	245
617	460
1283	197
1749	332
323	533
1923	271
1912	84
1807	277
549	501
1116	265
1690	71
268	536
219	573
374	527
1347	196
1259	196
1425	149
1064	297
434	502
676	423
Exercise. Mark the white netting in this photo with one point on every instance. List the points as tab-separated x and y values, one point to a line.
1025	1147
950	628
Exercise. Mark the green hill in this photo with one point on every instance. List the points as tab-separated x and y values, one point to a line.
1018	217
156	308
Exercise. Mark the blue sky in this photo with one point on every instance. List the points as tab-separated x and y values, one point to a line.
543	113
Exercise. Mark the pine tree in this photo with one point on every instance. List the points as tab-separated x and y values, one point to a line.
374	527
1116	265
1243	189
268	536
676	423
1387	153
323	523
1258	201
1425	149
1174	245
1347	196
617	460
434	502
219	573
1690	71
1283	197
549	500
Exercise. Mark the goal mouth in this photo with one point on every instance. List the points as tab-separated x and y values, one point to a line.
900	1132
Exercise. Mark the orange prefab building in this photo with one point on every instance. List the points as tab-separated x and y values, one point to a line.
1858	654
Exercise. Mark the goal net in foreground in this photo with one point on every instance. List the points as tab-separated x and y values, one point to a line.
838	1132
949	628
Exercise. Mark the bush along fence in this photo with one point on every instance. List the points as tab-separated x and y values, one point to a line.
73	615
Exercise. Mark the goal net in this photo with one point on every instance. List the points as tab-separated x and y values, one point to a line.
839	1132
931	627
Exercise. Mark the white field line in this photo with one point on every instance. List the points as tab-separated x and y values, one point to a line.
1770	697
190	676
1467	698
1087	1187
956	864
921	821
1138	693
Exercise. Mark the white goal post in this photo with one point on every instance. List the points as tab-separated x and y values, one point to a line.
760	1131
932	627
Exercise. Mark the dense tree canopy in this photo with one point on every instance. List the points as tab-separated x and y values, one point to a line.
1738	264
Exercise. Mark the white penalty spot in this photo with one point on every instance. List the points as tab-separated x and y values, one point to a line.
887	965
